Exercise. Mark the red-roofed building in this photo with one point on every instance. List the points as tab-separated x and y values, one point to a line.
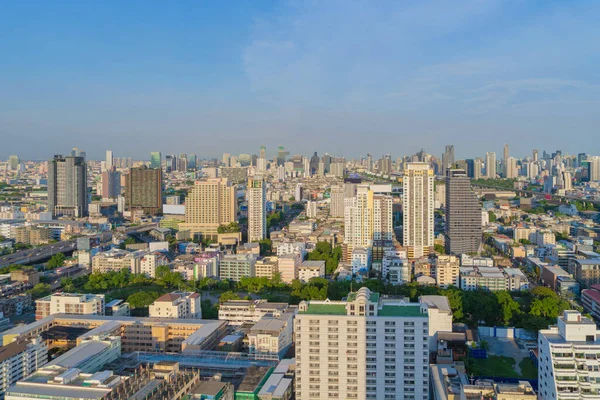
177	305
590	299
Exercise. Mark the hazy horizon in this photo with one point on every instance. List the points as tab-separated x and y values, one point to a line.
334	76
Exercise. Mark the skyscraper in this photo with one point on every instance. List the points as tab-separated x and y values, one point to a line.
447	159
155	160
263	152
143	190
418	209
594	165
463	214
314	164
336	205
192	161
535	155
257	212
490	165
281	155
111	184
108	164
67	186
208	205
505	154
13	162
510	168
226	159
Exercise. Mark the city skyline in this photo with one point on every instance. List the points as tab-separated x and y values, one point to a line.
184	75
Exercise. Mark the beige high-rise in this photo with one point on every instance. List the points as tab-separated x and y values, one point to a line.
418	224
209	204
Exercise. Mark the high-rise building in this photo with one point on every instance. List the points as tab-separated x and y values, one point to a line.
13	162
336	205
192	161
367	217
156	160
505	160
108	164
313	164
281	155
535	156
257	212
418	206
208	205
143	190
366	347
447	159
463	214
510	168
567	366
490	165
227	159
594	165
67	186
111	184
263	152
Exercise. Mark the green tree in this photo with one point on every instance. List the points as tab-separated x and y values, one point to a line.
67	284
439	248
57	260
40	290
492	216
142	299
229	295
509	308
265	247
209	310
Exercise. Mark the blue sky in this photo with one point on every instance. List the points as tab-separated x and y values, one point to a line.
348	77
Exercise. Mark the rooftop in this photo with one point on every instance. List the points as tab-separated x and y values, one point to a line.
325	309
408	310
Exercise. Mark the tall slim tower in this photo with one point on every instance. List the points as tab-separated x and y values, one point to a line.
447	159
109	160
111	183
257	212
336	205
505	161
535	155
490	165
67	186
155	160
263	152
463	214
418	209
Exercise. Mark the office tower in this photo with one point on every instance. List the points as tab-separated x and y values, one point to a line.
261	165
281	155
143	190
314	164
463	215
369	162
535	155
336	205
470	168
109	160
156	160
567	366
447	159
208	205
226	159
505	156
257	212
567	180
192	161
366	347
67	187
76	152
510	168
111	184
299	192
321	169
182	164
594	166
263	152
490	165
418	209
169	164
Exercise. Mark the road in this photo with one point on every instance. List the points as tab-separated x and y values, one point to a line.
31	256
539	194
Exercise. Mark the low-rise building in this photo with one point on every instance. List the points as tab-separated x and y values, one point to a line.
440	318
149	263
180	305
19	359
475	278
446	271
237	266
238	312
266	267
516	280
272	335
284	248
117	308
116	260
69	303
288	264
586	272
311	269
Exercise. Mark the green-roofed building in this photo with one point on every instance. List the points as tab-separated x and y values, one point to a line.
366	346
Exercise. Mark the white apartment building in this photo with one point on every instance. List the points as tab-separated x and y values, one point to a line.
516	280
311	209
492	279
266	267
366	347
116	260
336	205
417	203
272	335
446	271
440	317
361	259
69	303
284	248
19	359
181	305
149	262
542	238
470	261
311	269
238	312
568	365
237	266
396	269
257	212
